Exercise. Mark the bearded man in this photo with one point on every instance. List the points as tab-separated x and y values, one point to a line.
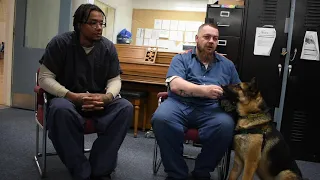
194	82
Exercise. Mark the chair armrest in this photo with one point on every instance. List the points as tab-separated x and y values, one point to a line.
41	95
163	95
38	90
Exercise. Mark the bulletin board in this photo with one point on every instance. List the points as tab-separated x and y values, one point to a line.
145	18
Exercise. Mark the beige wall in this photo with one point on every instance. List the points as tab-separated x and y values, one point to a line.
9	20
231	2
3	16
3	12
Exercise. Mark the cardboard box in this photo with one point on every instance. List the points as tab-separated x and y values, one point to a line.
231	2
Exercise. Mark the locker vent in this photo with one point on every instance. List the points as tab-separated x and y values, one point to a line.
299	125
269	13
312	17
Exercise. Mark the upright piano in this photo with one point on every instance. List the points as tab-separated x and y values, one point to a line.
144	69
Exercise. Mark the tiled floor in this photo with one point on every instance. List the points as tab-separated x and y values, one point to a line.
1	81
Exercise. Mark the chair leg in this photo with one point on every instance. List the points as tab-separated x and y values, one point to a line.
156	160
44	152
136	119
144	117
223	166
37	139
36	157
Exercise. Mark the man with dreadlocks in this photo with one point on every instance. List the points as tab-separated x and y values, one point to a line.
80	71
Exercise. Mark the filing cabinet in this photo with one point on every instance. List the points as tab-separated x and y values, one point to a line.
229	22
229	47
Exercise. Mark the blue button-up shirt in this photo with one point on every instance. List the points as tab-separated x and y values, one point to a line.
187	66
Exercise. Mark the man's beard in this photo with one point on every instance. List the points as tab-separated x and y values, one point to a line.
207	55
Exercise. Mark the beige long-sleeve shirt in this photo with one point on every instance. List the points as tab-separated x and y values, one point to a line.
47	81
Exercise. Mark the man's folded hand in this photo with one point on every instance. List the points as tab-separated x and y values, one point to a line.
94	102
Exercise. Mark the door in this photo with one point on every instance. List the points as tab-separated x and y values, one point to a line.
36	22
259	13
300	122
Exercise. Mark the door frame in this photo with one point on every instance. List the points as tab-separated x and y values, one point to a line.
8	55
10	95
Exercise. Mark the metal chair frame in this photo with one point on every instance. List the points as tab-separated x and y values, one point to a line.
43	154
222	168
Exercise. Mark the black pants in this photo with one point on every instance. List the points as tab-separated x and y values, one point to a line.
66	131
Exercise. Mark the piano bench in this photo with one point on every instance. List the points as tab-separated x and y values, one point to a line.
137	98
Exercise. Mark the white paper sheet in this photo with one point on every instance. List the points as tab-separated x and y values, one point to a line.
179	36
164	34
167	44
264	41
173	35
193	25
189	37
310	48
148	33
139	41
155	34
146	42
174	25
140	33
152	42
157	24
182	25
165	25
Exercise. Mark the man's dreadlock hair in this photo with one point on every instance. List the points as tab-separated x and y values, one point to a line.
82	14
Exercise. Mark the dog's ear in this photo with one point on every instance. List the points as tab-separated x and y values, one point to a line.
254	84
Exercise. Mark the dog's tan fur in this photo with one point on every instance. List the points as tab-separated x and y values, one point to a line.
251	155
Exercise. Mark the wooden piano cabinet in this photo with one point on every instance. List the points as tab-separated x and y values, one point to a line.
144	75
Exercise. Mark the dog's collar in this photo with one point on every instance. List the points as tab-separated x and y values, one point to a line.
255	130
256	115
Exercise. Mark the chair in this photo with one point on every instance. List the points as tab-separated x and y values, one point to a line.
40	117
190	135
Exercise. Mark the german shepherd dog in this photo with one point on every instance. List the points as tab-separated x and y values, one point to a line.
259	147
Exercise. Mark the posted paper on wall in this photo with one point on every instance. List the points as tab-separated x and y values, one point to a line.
264	41
157	24
139	41
310	48
148	33
165	25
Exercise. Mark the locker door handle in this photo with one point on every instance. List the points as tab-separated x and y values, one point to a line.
222	42
225	13
222	25
290	68
280	69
